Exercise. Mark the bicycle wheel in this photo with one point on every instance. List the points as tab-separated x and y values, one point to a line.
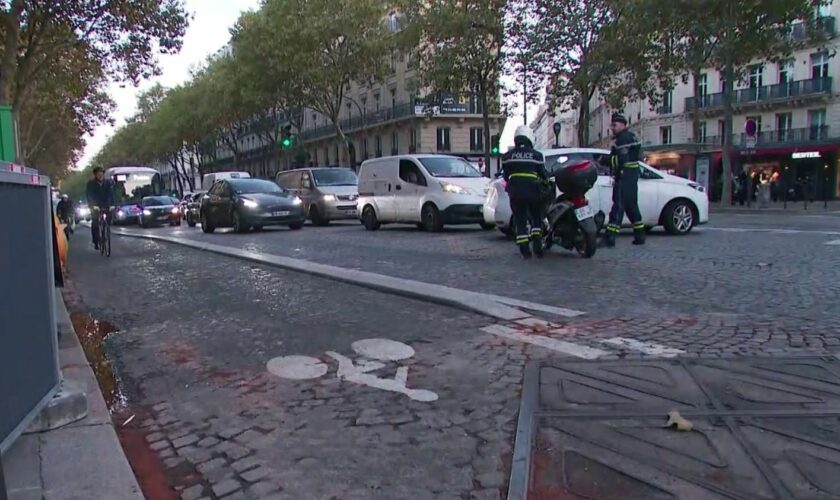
101	237
108	239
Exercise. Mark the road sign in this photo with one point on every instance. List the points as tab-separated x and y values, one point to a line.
750	142
750	128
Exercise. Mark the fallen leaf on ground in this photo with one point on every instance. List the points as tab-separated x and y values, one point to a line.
678	422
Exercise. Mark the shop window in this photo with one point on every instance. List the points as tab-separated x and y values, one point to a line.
665	135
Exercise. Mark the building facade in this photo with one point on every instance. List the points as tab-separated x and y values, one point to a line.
386	118
794	104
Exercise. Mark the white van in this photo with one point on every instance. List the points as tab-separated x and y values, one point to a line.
427	190
209	179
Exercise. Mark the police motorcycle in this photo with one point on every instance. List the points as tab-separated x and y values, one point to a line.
570	221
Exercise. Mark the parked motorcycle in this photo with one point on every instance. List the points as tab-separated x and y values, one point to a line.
570	222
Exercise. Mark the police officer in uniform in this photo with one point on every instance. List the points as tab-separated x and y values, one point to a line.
524	170
624	161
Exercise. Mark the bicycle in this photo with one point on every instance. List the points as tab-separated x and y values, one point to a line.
104	233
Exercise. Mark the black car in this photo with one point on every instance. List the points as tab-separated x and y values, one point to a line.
192	212
246	203
159	210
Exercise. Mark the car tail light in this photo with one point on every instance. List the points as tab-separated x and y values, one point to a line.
580	166
579	201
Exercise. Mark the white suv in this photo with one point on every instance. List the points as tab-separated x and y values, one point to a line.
664	200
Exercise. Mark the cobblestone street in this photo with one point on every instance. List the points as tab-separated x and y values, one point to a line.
238	372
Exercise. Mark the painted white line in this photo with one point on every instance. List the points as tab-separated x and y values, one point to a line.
382	349
833	242
648	348
577	350
769	230
297	367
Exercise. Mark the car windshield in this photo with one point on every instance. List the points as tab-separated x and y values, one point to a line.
335	177
252	186
449	167
156	201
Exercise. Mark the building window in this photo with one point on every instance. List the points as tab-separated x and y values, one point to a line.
378	146
701	132
817	124
703	84
337	156
667	102
412	147
784	122
721	130
757	120
786	71
395	143
722	82
756	76
314	119
665	135
365	154
393	98
376	102
443	143
477	139
819	65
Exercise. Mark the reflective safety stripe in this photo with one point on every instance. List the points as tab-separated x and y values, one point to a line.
614	161
640	225
522	239
613	228
524	175
631	164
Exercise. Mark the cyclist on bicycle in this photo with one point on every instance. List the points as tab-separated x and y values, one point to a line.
100	199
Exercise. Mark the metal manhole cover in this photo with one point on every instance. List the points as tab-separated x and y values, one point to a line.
764	428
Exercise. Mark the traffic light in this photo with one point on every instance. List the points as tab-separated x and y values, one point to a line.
494	145
286	139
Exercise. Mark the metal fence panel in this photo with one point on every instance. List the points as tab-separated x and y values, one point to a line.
29	372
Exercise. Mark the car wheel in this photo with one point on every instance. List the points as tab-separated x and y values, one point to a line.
296	225
205	225
190	222
316	217
239	225
678	217
369	219
487	226
431	218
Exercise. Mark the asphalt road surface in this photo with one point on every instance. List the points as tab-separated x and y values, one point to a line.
207	344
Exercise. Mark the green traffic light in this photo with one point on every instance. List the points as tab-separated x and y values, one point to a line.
287	142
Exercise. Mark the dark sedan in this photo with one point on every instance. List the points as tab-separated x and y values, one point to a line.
159	210
250	203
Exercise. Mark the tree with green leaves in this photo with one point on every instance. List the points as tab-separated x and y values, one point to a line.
574	47
317	48
460	48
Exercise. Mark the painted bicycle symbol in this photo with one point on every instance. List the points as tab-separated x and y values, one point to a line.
371	354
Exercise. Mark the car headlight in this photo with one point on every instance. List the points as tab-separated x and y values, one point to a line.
329	197
120	214
696	187
147	212
175	210
250	204
297	201
452	188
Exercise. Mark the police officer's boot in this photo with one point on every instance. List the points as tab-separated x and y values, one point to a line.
639	236
525	250
609	237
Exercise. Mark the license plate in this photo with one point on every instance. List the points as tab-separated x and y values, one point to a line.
281	213
347	207
583	212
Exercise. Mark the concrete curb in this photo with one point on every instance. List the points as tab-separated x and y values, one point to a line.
498	307
83	459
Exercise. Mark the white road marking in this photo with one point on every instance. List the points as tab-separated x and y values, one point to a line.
354	373
382	349
297	367
833	242
648	348
770	230
577	350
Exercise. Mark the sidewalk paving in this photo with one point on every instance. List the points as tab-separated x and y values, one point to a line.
83	460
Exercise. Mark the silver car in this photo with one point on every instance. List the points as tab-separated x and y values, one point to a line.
327	193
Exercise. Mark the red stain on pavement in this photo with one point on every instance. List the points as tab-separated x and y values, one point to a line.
145	463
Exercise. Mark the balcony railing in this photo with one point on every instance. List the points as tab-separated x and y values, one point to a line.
664	110
766	138
766	93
